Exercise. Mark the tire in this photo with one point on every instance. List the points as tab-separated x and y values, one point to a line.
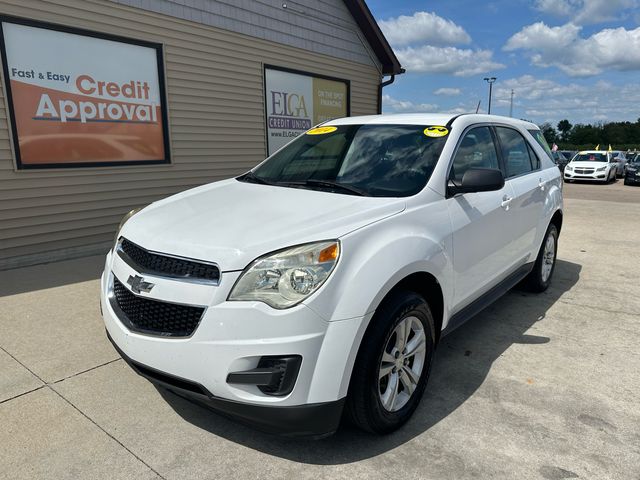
540	276
366	407
627	182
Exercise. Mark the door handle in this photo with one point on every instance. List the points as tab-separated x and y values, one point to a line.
541	184
506	201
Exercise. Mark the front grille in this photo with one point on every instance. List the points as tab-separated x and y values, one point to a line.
153	317
584	171
155	263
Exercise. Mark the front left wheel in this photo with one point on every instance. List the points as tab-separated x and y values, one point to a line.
539	278
393	364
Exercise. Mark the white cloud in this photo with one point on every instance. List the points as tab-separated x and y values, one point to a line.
544	100
393	105
530	88
587	11
564	48
448	92
448	60
423	27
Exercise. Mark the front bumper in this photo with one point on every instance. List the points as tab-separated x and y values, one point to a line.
629	178
314	420
233	337
594	177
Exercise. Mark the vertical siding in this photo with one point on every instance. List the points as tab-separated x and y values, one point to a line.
216	122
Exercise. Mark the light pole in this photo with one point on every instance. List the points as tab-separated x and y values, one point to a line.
490	81
511	105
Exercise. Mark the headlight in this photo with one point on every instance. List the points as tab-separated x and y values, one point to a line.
285	278
601	169
568	167
124	220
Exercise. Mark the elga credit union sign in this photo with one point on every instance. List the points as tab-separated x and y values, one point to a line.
296	101
83	99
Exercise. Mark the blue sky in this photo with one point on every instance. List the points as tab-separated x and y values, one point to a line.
574	59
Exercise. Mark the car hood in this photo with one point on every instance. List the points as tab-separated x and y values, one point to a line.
232	223
588	164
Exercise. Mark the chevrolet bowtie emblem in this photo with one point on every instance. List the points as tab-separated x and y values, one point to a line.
139	285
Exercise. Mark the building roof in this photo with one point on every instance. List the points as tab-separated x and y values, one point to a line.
376	39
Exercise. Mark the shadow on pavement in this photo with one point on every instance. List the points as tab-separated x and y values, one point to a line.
462	363
50	275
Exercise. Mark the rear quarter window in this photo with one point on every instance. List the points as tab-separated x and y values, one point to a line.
537	134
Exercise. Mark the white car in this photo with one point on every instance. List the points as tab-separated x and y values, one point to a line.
323	279
594	165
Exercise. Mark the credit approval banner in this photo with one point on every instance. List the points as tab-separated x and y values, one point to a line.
83	100
296	101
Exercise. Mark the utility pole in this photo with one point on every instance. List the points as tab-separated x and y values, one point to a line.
511	106
490	81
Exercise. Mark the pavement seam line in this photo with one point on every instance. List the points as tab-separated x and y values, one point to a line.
85	371
104	431
21	394
50	387
23	366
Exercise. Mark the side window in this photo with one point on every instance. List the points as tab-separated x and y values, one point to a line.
476	150
515	152
535	160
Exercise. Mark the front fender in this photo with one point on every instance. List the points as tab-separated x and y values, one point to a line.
375	258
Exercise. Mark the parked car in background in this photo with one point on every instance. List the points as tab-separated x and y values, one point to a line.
632	157
595	165
323	279
621	159
632	172
560	159
569	153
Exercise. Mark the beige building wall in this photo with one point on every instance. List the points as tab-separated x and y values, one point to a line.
214	82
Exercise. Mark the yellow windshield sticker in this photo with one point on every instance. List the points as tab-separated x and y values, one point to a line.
321	130
436	131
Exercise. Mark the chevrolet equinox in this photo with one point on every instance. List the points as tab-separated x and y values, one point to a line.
319	283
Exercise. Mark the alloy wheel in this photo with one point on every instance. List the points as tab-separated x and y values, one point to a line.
403	361
548	257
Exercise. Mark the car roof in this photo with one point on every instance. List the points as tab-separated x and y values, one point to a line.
591	151
429	119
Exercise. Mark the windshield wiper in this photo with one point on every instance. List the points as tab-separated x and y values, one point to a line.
253	178
329	184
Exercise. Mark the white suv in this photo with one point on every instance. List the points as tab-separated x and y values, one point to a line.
323	279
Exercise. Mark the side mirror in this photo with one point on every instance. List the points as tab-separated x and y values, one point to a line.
478	180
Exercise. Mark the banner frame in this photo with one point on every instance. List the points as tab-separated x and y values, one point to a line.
6	82
266	66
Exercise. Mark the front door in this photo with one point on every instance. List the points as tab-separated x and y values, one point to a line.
481	222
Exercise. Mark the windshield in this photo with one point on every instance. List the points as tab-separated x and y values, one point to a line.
371	160
590	157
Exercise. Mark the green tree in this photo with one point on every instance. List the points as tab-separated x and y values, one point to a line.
550	134
564	127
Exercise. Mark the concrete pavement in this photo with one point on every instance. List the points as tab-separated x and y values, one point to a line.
536	387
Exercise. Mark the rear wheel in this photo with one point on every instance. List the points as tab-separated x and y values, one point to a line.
539	278
627	182
393	364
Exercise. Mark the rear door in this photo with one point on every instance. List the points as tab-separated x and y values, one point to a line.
481	222
529	183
